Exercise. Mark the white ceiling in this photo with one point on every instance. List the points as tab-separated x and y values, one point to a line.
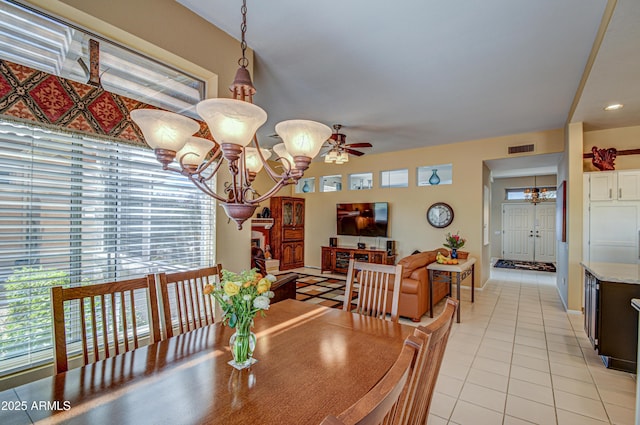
422	72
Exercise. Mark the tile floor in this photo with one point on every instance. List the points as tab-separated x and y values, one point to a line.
518	358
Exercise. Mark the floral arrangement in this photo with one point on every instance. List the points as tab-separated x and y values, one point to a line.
241	296
454	241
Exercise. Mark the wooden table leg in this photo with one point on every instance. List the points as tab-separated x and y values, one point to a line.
473	281
431	294
458	296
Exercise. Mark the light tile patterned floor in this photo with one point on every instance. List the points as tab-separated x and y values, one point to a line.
518	358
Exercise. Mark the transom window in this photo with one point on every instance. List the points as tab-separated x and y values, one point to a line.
519	194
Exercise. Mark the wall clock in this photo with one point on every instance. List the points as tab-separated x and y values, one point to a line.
440	215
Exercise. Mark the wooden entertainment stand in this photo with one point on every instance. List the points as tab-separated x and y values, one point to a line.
336	259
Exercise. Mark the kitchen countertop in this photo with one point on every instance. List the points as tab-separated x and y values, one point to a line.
614	272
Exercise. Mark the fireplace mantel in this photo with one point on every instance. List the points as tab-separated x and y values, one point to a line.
267	223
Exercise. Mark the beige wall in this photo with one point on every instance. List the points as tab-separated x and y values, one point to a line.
192	45
407	206
619	138
572	271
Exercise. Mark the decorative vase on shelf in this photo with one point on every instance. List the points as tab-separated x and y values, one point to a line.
434	179
454	252
242	343
305	186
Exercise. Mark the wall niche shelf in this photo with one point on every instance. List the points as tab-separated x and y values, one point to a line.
435	175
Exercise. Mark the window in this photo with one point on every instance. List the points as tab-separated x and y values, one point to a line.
518	194
331	183
394	178
360	181
80	209
45	43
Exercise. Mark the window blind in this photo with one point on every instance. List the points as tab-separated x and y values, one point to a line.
78	210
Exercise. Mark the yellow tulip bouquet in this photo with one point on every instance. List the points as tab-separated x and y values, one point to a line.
241	296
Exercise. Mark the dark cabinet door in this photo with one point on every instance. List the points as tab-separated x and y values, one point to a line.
327	259
287	255
298	213
287	212
292	255
591	308
342	261
298	254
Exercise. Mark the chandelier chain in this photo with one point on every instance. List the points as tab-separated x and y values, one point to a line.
239	199
243	61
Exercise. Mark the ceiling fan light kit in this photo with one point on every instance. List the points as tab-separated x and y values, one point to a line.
233	124
339	150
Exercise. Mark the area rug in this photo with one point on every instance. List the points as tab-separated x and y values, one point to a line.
525	265
321	290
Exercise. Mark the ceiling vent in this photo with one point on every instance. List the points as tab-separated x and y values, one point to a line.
520	149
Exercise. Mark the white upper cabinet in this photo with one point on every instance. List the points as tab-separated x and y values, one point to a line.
628	185
610	185
602	186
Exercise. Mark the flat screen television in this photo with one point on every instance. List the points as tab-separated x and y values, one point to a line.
363	219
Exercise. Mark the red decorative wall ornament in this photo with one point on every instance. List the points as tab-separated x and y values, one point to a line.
603	158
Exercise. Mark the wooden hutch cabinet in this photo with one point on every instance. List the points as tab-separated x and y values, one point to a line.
336	259
287	233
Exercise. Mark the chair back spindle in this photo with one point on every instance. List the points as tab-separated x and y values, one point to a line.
108	316
184	304
427	366
378	289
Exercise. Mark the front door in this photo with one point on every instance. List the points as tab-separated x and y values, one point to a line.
545	233
528	232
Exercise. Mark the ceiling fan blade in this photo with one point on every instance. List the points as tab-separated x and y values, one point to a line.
354	152
359	145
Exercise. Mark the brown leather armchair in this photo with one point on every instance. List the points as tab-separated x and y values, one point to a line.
414	292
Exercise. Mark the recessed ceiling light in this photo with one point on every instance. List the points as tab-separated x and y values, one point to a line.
614	107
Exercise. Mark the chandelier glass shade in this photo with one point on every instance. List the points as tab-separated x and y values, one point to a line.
281	151
233	124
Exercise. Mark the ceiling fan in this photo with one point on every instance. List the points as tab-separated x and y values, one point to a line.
339	150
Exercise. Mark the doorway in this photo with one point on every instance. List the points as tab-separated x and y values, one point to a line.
528	232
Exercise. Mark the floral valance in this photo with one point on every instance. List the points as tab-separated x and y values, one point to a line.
29	94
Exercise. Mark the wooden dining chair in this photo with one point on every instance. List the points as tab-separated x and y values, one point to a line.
427	366
184	304
103	320
375	283
384	402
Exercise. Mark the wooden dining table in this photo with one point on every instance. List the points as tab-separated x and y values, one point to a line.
312	361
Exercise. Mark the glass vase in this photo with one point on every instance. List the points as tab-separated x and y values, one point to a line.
454	252
242	343
434	179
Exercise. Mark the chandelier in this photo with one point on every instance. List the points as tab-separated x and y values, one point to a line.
233	124
536	195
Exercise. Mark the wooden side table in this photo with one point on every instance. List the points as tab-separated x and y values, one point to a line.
461	270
